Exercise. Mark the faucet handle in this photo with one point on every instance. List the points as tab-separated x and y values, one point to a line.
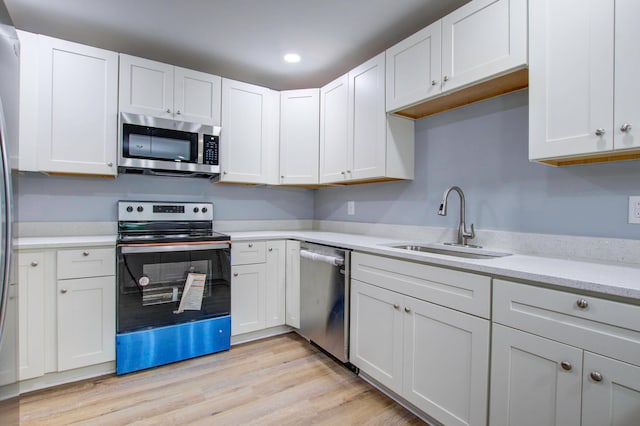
473	232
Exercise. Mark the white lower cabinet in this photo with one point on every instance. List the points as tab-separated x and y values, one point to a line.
435	357
67	309
257	285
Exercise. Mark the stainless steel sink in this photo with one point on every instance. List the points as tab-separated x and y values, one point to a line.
466	252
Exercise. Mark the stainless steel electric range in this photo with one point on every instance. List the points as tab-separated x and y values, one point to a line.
173	275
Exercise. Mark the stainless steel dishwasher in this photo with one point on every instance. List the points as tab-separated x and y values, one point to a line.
324	297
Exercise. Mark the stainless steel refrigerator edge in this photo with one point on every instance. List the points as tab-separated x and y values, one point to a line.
9	90
324	298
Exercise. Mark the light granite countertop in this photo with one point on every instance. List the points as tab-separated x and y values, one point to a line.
609	279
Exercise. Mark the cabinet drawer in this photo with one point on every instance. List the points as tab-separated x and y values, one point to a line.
247	252
598	325
86	262
458	290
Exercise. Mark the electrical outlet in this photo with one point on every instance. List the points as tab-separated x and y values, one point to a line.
351	208
634	209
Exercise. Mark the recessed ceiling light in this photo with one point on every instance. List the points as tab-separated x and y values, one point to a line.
292	58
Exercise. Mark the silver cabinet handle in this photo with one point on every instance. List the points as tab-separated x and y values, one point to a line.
34	263
250	245
600	132
434	82
63	291
235	274
596	376
396	306
109	164
582	303
168	111
85	253
270	248
281	177
343	173
445	78
566	365
349	171
625	127
178	112
407	310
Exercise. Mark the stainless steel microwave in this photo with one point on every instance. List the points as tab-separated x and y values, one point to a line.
150	145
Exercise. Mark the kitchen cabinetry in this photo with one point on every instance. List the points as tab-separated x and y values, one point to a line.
67	309
249	139
591	378
480	41
257	285
299	136
376	146
68	107
435	357
160	90
583	81
292	284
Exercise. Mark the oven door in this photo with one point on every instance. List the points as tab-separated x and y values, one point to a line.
152	279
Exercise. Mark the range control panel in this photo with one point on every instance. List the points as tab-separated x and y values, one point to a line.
160	210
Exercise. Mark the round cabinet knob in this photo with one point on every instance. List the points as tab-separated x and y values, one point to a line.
434	82
178	112
140	209
566	365
270	248
64	291
224	173
582	304
235	274
85	253
625	127
204	210
110	164
34	263
250	245
596	376
407	310
129	209
196	210
445	78
342	173
168	111
349	171
600	132
396	306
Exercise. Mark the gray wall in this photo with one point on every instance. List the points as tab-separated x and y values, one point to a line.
52	198
483	149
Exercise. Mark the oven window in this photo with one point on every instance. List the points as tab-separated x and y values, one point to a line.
151	285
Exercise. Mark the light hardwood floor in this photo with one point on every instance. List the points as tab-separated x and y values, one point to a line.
281	380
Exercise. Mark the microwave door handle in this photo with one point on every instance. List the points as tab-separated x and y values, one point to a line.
138	249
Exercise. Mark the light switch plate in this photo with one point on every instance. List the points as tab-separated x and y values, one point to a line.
634	209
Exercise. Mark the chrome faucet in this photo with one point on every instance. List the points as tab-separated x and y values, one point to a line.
463	234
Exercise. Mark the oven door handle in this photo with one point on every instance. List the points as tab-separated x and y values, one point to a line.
156	248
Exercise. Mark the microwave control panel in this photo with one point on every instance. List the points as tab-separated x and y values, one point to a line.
211	149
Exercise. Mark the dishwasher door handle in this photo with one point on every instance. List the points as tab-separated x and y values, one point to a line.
318	257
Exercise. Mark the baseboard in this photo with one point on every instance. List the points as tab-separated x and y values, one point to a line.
61	378
260	334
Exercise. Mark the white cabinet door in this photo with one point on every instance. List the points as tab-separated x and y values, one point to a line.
334	101
146	87
376	333
86	321
446	363
78	106
293	284
627	83
299	136
248	289
414	68
611	392
32	278
367	140
571	48
276	276
534	381
481	39
196	96
249	116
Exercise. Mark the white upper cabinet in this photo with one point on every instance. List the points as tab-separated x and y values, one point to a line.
583	84
299	136
161	90
68	107
481	39
249	139
374	147
414	68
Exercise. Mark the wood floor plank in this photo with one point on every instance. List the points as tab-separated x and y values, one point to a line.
277	381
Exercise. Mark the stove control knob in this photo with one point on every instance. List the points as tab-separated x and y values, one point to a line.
196	210
204	210
129	209
140	209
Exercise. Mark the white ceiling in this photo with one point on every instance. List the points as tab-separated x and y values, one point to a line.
241	39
